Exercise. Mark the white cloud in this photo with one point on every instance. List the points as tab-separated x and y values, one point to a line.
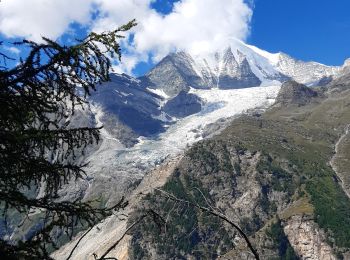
35	18
193	25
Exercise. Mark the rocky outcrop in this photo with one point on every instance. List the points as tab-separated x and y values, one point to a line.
294	93
307	239
174	74
105	234
342	82
184	104
134	106
236	73
179	71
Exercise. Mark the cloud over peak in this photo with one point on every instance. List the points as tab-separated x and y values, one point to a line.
195	26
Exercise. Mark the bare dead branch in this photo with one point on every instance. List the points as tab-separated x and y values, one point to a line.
217	214
76	245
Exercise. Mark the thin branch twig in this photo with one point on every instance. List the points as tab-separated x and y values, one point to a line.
217	214
103	257
76	245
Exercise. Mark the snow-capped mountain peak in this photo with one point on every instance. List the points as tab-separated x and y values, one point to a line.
237	66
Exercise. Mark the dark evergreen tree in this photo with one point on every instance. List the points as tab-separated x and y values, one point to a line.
38	147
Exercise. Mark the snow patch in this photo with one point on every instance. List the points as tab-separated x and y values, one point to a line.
159	92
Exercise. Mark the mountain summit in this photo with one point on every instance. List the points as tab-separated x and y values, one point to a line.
238	66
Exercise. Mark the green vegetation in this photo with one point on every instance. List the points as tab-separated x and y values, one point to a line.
297	144
39	146
187	230
332	208
291	148
281	243
281	180
299	207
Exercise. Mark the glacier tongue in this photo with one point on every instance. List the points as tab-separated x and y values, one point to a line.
113	165
218	104
116	165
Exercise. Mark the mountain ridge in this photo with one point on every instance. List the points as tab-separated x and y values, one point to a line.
239	65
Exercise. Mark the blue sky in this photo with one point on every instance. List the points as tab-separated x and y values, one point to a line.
315	30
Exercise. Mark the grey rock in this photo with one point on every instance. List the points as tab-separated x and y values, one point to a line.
304	72
236	74
132	104
325	81
173	74
294	93
184	104
340	83
179	71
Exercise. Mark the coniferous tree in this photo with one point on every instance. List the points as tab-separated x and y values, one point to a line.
38	147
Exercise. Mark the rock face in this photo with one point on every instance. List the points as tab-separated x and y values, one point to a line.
130	103
307	239
105	234
342	81
294	93
173	74
179	71
184	104
236	74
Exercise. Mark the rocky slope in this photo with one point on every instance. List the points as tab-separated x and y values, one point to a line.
115	226
292	92
269	173
256	171
307	239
